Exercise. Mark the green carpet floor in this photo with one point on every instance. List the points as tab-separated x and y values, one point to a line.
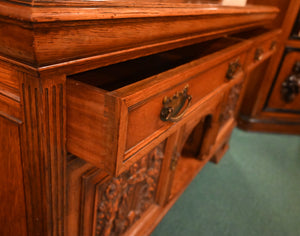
254	190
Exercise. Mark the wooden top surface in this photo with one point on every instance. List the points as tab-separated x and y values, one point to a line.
87	34
66	10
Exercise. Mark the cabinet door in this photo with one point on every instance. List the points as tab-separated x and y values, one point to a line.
284	96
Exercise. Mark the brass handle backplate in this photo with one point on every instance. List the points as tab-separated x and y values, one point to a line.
258	54
173	105
233	68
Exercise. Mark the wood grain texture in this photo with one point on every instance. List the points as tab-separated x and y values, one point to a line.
51	35
9	83
275	124
46	11
10	109
76	169
104	126
93	125
12	196
105	205
127	197
281	4
123	182
257	114
43	152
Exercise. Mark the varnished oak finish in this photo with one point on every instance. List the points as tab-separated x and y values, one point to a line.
139	105
264	108
11	184
84	150
50	35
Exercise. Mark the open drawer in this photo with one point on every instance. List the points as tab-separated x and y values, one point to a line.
265	42
114	111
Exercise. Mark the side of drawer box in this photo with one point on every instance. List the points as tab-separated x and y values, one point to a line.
92	124
106	127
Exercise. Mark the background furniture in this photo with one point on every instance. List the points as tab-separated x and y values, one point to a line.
109	109
272	102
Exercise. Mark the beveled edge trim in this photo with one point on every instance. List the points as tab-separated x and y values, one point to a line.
95	10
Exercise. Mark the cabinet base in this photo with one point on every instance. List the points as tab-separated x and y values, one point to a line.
264	125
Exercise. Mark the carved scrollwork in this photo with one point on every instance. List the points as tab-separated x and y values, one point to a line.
233	68
233	98
122	200
290	87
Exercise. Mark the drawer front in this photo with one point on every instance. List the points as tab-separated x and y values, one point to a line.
105	128
285	94
144	120
262	49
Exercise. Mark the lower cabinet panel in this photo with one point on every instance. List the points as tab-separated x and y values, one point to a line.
121	201
12	199
111	205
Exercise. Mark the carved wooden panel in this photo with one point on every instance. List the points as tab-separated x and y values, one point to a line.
122	200
232	100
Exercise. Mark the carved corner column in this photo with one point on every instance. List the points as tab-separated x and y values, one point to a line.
43	137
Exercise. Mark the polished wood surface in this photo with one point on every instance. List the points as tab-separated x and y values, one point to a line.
281	4
50	34
287	100
12	204
82	88
141	101
264	106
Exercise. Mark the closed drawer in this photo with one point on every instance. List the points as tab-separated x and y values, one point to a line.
264	45
113	112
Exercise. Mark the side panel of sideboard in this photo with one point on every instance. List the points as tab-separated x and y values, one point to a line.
12	197
32	154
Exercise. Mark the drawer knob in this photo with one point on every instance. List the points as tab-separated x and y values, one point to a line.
233	68
173	105
258	54
290	87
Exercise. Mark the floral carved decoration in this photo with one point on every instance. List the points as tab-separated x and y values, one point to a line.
232	100
122	200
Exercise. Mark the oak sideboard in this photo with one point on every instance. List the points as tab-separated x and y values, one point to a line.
109	109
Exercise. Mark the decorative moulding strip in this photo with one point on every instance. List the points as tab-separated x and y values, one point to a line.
41	11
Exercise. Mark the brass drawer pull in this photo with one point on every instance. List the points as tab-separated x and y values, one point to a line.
233	68
258	54
173	105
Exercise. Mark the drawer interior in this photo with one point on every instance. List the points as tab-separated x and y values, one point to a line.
114	111
250	33
118	75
